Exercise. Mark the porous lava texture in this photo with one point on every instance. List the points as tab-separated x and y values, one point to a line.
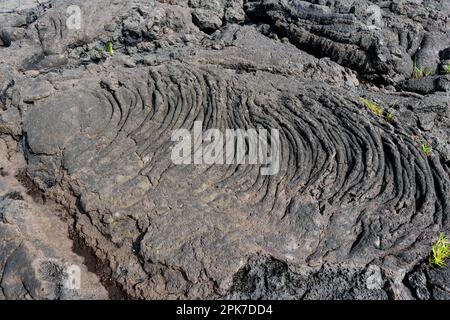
86	175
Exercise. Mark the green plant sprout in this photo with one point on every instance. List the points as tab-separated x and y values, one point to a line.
419	72
373	106
426	148
440	252
109	47
424	145
389	115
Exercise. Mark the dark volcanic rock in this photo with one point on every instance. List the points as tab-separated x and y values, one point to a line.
350	214
265	278
376	39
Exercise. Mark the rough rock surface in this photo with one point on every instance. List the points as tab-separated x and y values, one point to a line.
86	175
36	253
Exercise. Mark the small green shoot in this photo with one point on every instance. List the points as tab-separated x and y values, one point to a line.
373	106
390	116
109	48
426	148
419	72
424	145
379	111
440	253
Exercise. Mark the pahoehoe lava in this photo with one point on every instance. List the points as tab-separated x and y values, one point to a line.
355	198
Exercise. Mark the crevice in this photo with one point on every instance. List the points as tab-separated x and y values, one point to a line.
98	267
79	247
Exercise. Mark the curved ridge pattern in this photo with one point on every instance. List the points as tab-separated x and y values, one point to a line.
350	184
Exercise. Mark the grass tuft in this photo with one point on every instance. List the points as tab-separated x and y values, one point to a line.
109	47
426	148
373	106
419	72
390	116
440	252
379	111
424	145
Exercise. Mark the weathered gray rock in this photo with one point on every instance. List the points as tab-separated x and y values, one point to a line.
36	255
264	278
352	211
377	41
